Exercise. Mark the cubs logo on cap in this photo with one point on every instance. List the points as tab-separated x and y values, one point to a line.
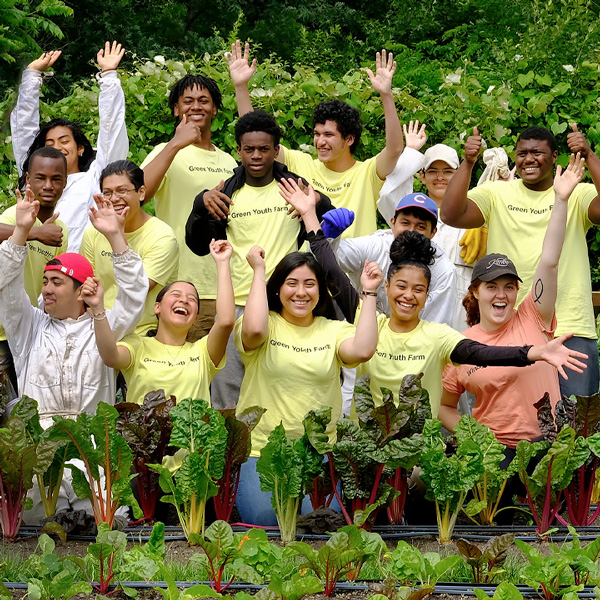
419	200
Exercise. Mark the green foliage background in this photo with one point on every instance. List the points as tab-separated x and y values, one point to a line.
497	64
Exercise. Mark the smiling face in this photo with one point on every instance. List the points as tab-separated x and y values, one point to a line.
299	296
119	190
535	164
60	295
258	153
436	178
178	307
47	178
198	106
407	292
329	142
496	301
62	139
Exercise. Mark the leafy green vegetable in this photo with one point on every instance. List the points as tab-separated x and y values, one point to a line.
485	562
200	430
504	591
102	450
146	428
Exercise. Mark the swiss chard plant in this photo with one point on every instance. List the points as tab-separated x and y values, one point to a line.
21	458
239	429
343	555
486	561
199	431
448	478
286	468
551	475
582	413
489	488
106	475
147	430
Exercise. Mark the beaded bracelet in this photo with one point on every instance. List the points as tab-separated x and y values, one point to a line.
365	293
100	316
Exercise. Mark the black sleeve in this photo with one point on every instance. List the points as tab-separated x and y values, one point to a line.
342	290
470	352
202	227
322	207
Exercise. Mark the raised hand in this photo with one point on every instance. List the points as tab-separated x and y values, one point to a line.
49	233
473	146
45	61
104	218
413	136
220	250
27	209
256	258
385	67
92	293
302	201
186	133
109	57
565	181
558	355
240	68
371	277
577	142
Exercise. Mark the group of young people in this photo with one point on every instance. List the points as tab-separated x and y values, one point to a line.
261	321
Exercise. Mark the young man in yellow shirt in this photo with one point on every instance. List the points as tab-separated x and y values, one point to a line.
337	129
176	171
517	213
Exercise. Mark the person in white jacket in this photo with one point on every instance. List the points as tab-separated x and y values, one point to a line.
54	350
83	164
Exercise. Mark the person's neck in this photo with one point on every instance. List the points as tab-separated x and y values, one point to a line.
136	221
45	213
205	142
341	164
540	186
399	326
305	321
259	181
170	337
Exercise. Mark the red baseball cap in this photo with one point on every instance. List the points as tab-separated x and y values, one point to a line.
73	265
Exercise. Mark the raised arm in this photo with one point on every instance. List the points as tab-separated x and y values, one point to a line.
25	117
382	83
457	210
113	142
255	322
113	356
218	336
544	286
241	71
340	286
362	346
186	133
578	144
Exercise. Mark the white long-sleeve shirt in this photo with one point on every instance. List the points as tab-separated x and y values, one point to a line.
56	360
112	144
352	253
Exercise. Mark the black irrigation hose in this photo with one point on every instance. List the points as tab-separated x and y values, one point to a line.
450	588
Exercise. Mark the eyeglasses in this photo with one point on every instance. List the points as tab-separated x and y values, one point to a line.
440	172
120	193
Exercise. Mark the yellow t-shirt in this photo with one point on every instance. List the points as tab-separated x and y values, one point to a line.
426	349
182	371
37	256
192	171
517	218
297	369
258	216
155	242
356	189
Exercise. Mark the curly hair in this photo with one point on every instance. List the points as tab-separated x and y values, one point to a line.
539	133
344	116
471	304
411	249
190	82
259	120
84	161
